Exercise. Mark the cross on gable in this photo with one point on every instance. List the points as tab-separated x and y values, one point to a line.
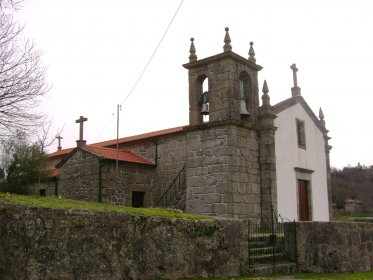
59	137
295	69
81	120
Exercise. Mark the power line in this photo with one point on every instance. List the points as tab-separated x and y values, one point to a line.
151	57
146	66
103	129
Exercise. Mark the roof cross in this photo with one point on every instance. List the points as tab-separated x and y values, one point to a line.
59	137
295	90
295	69
81	120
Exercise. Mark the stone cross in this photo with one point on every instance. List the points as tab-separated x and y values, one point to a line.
295	69
59	142
81	120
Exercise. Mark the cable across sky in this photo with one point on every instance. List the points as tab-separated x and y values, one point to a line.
145	68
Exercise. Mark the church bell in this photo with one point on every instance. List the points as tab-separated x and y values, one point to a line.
243	109
205	109
204	101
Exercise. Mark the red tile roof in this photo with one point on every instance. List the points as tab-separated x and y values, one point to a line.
60	152
140	136
122	140
112	154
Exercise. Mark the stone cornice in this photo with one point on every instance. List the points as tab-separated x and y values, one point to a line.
219	57
303	170
217	124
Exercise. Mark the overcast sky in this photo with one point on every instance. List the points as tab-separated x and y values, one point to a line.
96	50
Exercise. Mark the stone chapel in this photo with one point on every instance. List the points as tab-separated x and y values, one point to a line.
248	160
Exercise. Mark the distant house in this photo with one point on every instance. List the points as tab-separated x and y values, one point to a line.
353	206
236	158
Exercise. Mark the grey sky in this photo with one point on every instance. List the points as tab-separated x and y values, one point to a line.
96	50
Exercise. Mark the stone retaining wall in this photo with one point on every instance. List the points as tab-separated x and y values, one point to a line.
334	246
39	243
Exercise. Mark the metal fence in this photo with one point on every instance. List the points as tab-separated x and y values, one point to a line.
271	243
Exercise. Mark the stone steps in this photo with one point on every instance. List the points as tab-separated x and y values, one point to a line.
262	251
268	270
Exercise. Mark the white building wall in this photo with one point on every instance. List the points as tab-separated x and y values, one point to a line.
289	156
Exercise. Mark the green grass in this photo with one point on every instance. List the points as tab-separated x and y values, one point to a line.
56	203
305	276
353	216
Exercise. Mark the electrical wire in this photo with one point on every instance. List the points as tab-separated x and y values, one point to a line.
106	124
151	57
145	68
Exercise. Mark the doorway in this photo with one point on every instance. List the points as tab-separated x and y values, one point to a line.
303	200
43	192
138	199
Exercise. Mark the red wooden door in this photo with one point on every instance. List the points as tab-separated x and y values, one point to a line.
303	201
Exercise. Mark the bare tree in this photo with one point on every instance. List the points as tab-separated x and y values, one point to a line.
22	77
45	138
9	5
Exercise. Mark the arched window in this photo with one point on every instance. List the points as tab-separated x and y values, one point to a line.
205	100
245	86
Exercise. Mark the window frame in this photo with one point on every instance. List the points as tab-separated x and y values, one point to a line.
301	133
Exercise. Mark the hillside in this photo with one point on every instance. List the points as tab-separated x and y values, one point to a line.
353	183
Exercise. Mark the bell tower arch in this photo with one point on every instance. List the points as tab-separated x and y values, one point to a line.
233	92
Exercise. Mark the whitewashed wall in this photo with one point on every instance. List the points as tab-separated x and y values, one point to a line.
288	156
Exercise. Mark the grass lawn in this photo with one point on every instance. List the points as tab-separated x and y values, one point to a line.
56	203
354	216
306	276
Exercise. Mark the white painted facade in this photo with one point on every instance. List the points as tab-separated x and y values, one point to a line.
293	163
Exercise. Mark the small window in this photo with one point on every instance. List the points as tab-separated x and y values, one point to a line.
301	134
138	199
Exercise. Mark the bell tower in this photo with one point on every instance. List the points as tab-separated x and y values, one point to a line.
232	85
228	153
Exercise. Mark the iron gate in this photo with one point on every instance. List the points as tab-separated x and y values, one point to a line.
271	243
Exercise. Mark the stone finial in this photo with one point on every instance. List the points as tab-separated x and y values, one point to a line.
81	120
59	137
321	114
321	117
227	41
265	96
192	51
252	53
295	90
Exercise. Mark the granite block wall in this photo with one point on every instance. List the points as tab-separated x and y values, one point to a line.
223	171
334	246
40	243
131	177
80	179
